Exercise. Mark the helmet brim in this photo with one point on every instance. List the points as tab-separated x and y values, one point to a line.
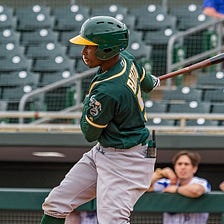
82	41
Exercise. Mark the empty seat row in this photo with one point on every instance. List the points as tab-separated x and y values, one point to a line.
163	106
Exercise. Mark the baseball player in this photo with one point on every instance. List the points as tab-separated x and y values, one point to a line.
185	183
116	171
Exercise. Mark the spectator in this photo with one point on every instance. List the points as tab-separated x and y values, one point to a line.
214	8
185	183
221	186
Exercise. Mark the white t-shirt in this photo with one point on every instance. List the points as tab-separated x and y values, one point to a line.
184	218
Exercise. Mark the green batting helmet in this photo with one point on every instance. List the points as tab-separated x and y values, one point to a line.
108	33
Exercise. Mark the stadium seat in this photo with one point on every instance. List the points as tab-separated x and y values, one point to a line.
15	63
70	10
11	49
211	80
48	78
74	51
33	22
9	36
65	36
33	17
202	122
145	10
185	23
19	78
139	49
53	64
189	15
157	22
9	93
39	36
80	66
129	20
185	10
214	95
45	50
189	107
157	121
3	105
7	19
109	10
183	94
32	9
159	37
155	106
71	17
218	108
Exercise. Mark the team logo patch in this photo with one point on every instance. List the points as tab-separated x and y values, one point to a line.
95	106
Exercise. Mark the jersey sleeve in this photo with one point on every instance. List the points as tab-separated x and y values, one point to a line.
97	112
203	182
161	184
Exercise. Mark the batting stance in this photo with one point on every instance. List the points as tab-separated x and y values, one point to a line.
116	171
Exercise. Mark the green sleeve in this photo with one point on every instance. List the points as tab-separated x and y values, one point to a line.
98	110
91	133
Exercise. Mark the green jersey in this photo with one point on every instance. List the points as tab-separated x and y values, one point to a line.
113	112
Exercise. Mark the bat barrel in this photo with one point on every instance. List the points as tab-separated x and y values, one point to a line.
211	61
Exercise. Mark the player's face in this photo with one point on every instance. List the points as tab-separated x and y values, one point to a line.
89	56
184	168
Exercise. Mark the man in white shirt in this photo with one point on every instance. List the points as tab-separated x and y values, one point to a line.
183	182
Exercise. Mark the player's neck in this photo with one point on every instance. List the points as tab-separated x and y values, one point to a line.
108	64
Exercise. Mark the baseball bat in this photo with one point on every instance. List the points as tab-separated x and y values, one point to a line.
205	63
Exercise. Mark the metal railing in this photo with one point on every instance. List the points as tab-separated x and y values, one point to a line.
71	127
215	24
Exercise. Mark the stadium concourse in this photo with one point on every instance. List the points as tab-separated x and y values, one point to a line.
43	82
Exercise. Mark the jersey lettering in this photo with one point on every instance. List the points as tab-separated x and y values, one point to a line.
133	79
133	84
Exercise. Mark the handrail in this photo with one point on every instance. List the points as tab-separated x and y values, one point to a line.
69	127
75	78
172	66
